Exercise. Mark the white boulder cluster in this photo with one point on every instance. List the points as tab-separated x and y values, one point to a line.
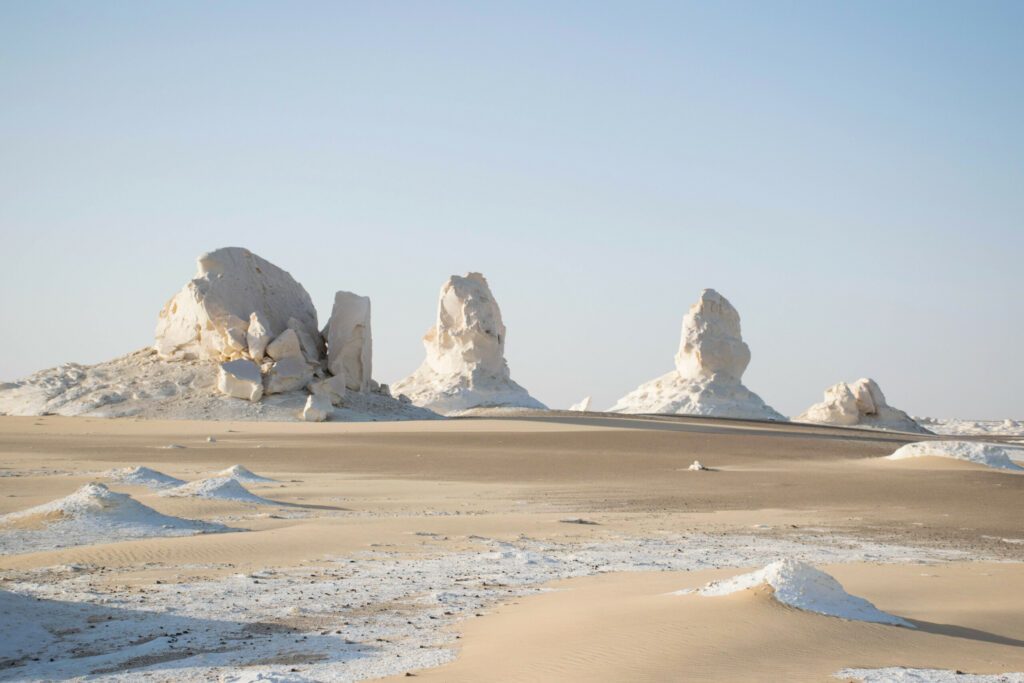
709	367
259	323
859	403
465	364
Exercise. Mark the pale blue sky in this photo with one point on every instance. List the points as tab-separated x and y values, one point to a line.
850	175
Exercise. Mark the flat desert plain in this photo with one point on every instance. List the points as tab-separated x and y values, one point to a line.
526	548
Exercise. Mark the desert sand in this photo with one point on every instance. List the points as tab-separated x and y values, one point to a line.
536	547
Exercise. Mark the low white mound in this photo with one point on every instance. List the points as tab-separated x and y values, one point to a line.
218	488
710	363
994	455
465	364
143	476
583	406
142	385
954	427
899	674
800	585
244	474
859	404
92	514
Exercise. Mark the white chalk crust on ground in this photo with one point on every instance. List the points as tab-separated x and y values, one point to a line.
800	585
710	363
142	385
143	476
92	514
899	674
218	488
998	456
955	427
244	475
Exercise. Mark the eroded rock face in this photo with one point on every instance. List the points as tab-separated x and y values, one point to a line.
350	342
710	363
287	374
859	403
712	344
465	363
241	379
209	318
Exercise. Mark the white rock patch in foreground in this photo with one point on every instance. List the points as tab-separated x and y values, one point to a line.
92	514
899	674
240	379
144	476
993	455
800	585
465	364
710	363
218	488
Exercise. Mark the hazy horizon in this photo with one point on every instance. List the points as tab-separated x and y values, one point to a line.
850	177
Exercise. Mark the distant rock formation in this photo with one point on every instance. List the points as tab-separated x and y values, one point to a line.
465	364
862	404
583	406
709	367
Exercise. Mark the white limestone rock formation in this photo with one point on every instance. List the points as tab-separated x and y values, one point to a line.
286	345
287	374
209	318
859	404
710	363
465	365
350	342
318	407
258	336
583	406
241	379
333	388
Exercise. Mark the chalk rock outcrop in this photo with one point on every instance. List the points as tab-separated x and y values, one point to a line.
288	374
862	404
318	407
241	379
210	317
583	406
710	363
465	364
350	342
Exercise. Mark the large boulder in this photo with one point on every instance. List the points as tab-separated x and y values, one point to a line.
860	404
350	342
709	368
287	374
241	379
210	317
465	363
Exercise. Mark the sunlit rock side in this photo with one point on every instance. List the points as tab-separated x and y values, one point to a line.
210	317
710	363
861	404
350	341
465	363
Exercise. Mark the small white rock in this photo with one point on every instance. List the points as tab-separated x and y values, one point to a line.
318	407
289	374
286	345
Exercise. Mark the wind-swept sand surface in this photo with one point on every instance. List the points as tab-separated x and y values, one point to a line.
380	544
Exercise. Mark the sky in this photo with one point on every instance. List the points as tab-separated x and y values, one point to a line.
850	175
